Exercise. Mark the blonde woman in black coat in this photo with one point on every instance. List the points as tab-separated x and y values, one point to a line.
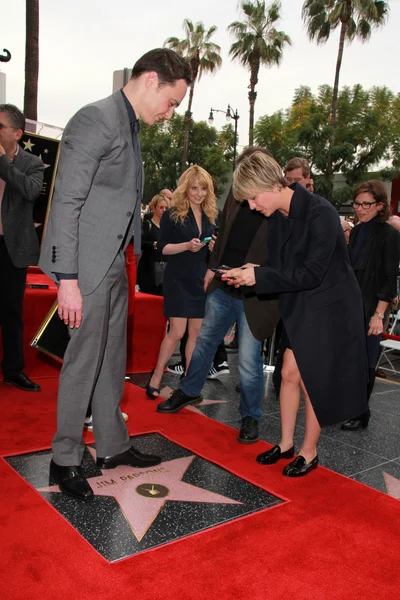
320	304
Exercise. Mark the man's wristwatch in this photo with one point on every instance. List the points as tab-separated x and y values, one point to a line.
380	315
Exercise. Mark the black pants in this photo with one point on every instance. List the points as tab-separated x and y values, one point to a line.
12	289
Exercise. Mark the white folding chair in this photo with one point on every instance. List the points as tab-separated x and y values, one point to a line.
390	349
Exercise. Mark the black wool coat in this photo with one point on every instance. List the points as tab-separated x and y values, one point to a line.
377	265
320	303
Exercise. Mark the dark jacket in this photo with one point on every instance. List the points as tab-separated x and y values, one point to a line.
150	255
376	265
262	313
320	304
24	180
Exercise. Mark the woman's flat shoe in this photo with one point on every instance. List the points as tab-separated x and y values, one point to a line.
299	467
270	457
152	392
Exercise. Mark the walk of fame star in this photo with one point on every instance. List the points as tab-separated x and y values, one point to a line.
141	493
28	145
205	403
392	485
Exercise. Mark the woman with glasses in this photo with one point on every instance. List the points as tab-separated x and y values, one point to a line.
374	254
320	304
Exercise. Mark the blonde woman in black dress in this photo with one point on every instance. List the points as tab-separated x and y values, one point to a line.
186	229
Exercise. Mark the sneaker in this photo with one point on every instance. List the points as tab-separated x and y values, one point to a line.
217	370
177	369
89	421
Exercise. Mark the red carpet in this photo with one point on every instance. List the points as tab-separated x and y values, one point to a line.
335	539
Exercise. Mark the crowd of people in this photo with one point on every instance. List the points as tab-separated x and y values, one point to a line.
277	258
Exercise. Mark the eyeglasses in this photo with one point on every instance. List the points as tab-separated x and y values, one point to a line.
366	205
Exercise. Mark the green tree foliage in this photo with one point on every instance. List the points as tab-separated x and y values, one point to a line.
257	43
367	134
161	146
203	56
356	18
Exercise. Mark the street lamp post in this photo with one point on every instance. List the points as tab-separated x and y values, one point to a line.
230	114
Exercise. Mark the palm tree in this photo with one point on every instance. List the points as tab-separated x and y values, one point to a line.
203	56
356	19
31	59
258	43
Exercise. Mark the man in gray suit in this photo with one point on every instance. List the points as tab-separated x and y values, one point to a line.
21	179
94	213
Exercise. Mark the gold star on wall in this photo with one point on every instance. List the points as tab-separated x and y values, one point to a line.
28	145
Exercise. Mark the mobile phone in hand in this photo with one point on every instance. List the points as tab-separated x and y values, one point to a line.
221	269
205	240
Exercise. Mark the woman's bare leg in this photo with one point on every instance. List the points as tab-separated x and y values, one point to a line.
193	333
177	328
313	431
289	399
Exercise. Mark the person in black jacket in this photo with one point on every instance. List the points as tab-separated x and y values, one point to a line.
151	264
320	305
374	253
21	179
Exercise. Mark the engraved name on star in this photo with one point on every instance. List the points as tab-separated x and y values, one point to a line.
142	493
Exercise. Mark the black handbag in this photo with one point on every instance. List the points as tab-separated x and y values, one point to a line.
159	268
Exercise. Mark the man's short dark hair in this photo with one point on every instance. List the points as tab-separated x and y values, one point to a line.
168	65
16	117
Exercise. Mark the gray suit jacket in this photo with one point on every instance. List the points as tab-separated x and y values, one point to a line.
24	179
95	196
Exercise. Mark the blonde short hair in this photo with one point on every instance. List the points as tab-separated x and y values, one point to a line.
155	201
256	173
181	204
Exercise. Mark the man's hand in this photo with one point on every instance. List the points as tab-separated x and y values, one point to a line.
70	302
2	151
238	277
208	278
212	243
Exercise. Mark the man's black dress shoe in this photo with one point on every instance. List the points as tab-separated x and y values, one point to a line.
131	458
177	401
270	457
71	481
360	422
22	382
299	467
249	431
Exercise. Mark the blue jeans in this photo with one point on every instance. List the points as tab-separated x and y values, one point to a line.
222	310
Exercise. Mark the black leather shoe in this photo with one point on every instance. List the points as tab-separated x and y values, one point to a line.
270	457
177	401
249	431
360	422
22	382
71	481
131	457
299	467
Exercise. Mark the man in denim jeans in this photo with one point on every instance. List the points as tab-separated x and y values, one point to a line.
242	239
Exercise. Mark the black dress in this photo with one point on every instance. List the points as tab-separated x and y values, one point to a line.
184	273
150	255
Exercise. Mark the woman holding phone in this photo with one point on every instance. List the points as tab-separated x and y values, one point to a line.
320	303
185	232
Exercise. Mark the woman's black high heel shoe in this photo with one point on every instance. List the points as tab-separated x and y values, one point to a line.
152	392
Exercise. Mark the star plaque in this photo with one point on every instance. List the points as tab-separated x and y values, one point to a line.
136	509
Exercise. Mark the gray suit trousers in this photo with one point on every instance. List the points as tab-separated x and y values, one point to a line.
94	369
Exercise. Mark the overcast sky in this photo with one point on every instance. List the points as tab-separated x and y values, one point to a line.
83	41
